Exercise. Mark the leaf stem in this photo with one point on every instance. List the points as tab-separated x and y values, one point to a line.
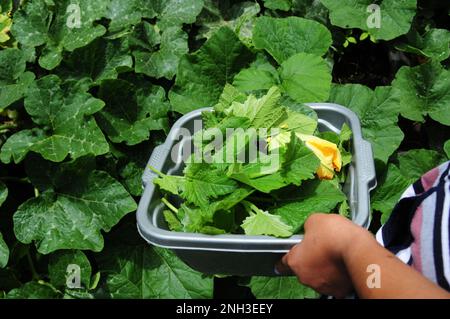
44	283
154	170
8	126
169	205
250	207
34	273
24	180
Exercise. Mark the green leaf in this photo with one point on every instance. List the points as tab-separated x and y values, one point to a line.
60	27
344	137
98	61
261	75
264	112
124	14
345	134
263	183
314	196
193	218
203	184
293	163
363	36
284	37
11	93
415	163
17	146
263	223
311	9
4	252
231	200
131	112
3	193
12	65
299	122
202	75
253	79
352	40
175	12
280	288
58	267
239	17
200	220
199	185
145	36
163	62
424	90
65	118
433	44
72	211
171	184
395	16
306	78
78	294
151	272
411	166
13	78
31	23
344	209
131	174
447	148
5	24
283	5
120	287
172	221
387	194
378	112
300	162
32	290
299	108
45	175
229	95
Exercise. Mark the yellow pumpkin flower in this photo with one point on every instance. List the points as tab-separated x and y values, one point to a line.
5	25
327	152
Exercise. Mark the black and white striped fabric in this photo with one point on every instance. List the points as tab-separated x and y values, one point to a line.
418	229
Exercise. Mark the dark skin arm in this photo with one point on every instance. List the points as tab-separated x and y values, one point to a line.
334	256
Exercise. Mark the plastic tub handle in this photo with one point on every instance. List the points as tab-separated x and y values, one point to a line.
156	161
367	165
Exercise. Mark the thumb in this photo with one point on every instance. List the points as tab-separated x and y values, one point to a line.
282	267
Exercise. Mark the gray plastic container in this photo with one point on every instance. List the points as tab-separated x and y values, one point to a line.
240	254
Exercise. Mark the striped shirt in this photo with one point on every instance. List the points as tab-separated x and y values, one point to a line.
417	231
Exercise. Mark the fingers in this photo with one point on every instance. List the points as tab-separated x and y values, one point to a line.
284	266
311	220
283	269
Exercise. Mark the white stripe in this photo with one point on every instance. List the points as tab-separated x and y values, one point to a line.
404	254
441	169
444	230
379	236
426	237
409	192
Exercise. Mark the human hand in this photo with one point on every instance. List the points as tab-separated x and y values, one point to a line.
318	260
